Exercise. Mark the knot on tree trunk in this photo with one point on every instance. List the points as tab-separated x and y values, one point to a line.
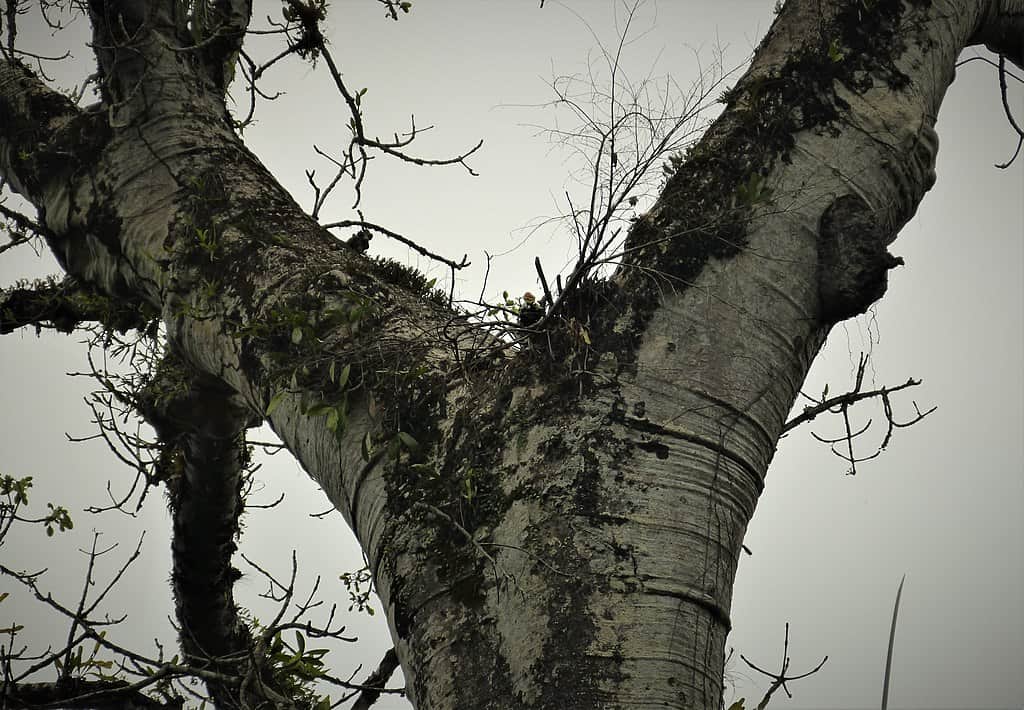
853	263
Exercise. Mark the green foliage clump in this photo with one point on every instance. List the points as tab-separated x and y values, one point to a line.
406	277
292	668
14	495
360	588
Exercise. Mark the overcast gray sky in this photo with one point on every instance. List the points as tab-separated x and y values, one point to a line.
943	503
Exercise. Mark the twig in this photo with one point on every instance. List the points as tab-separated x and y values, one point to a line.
780	679
1009	114
543	281
398	237
841	405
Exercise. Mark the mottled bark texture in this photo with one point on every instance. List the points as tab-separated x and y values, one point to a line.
558	527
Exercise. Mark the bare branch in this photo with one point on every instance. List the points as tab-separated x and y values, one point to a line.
399	238
841	405
1009	114
780	678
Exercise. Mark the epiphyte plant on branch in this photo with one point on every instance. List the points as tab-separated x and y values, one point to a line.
551	525
623	136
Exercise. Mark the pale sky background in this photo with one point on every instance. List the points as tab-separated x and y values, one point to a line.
943	504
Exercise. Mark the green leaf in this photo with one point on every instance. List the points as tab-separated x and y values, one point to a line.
834	52
330	371
300	642
367	447
275	400
408	441
319	410
297	334
343	377
332	420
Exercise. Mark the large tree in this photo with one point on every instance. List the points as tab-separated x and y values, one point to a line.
553	515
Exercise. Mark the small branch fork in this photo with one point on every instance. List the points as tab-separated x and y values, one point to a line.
305	17
89	680
302	27
780	679
283	593
85	680
355	157
841	405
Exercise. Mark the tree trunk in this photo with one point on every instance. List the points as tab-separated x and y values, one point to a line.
556	527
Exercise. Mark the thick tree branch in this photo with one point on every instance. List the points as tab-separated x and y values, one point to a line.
42	130
83	693
203	463
65	305
377	680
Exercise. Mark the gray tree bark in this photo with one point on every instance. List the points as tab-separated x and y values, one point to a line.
557	527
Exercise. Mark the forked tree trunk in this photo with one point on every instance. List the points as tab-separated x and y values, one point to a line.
557	527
